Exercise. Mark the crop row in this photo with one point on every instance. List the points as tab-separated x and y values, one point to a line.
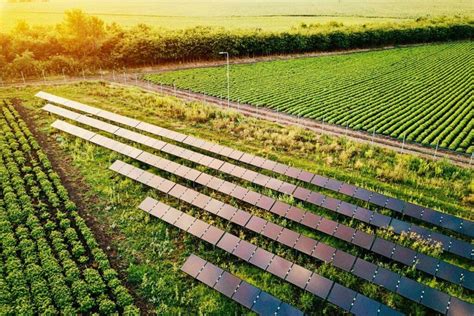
422	94
51	262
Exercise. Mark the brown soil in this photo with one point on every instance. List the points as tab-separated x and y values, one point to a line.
78	189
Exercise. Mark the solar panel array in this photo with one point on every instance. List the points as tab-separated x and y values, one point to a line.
394	282
449	244
447	221
240	291
391	281
312	282
396	252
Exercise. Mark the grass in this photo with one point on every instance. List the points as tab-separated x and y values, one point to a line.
266	14
153	251
417	93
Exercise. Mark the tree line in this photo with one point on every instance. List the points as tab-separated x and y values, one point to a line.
85	43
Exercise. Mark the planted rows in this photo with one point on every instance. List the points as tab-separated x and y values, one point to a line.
50	261
420	94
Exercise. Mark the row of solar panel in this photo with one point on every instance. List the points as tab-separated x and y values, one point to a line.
396	252
450	244
238	290
410	289
319	286
437	218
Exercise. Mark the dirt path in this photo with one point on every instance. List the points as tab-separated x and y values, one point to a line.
131	78
286	119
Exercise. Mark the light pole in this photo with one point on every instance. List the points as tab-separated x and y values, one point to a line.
228	77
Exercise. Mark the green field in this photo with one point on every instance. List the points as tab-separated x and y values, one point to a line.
266	14
150	251
423	94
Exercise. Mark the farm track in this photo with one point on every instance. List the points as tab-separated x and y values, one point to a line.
263	112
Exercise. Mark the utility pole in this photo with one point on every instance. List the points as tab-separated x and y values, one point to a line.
228	77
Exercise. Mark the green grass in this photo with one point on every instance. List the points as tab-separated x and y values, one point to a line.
418	93
152	251
266	14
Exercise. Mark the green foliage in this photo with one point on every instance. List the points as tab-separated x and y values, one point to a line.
84	42
418	94
49	269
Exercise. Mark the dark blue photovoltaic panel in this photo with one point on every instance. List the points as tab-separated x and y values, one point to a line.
413	210
435	300
395	204
362	194
378	199
311	220
363	214
346	209
279	267
362	239
365	306
426	263
344	233
244	250
387	279
288	237
400	226
343	260
288	310
364	269
347	189
320	181
324	252
410	289
342	296
383	247
380	220
432	217
266	304
451	222
449	272
404	255
305	245
261	258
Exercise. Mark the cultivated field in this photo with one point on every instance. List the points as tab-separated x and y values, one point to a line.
421	94
266	14
50	260
150	251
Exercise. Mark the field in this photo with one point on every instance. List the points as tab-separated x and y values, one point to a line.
151	251
50	260
420	94
265	14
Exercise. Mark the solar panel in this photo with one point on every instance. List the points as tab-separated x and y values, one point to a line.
216	164
305	176
319	286
60	111
212	235
364	269
209	274
271	230
252	197
413	210
301	193
363	214
227	284
177	190
228	242
450	272
193	265
342	296
261	258
435	300
315	198
257	161
214	206
343	260
295	214
227	211
365	306
244	250
238	171
246	294
189	196
324	252
311	220
279	267
319	181
256	224
404	255
305	245
280	168
362	194
347	189
265	202
198	228
269	164
387	279
344	233
288	237
327	226
292	172
380	220
378	199
185	221
287	188
460	248
266	304
201	201
363	239
159	210
249	175
280	208
400	226
240	218
452	222
298	276
383	247
410	289
239	193
274	184
333	185
460	308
